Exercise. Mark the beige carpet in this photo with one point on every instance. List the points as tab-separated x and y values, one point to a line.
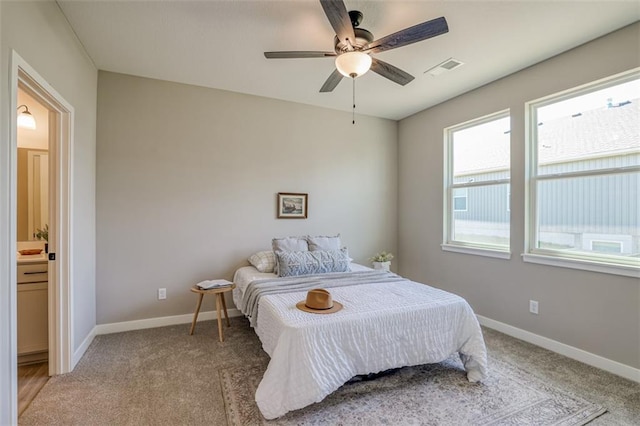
164	376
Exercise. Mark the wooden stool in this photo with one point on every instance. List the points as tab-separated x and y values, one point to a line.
219	292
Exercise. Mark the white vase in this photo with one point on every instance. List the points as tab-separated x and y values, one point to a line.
382	265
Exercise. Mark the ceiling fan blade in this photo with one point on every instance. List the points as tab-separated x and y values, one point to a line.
331	82
297	54
419	32
339	19
394	74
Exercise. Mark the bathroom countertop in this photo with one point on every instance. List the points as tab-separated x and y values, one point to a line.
36	258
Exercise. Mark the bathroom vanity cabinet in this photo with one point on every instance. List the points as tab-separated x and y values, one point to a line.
33	330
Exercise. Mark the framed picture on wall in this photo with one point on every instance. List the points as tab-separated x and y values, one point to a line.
292	206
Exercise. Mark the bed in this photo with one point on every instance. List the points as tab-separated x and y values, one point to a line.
386	322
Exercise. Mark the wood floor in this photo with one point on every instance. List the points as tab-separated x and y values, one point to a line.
31	378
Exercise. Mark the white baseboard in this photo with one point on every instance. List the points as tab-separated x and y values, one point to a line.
83	348
597	361
118	327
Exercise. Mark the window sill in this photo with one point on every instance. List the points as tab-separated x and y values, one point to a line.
585	265
498	254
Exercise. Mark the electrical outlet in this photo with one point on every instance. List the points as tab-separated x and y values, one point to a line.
533	306
162	293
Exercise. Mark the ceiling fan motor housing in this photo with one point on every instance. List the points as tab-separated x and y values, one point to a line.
356	17
363	38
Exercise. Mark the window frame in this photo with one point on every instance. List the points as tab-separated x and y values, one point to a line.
597	262
448	243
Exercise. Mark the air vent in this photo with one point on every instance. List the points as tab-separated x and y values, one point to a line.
445	66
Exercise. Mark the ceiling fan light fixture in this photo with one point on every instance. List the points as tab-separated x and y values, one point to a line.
353	64
25	119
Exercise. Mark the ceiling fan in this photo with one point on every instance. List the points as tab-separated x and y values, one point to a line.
353	45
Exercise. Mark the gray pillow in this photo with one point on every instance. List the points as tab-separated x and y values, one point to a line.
290	244
324	243
292	263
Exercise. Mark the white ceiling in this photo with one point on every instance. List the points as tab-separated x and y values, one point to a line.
220	44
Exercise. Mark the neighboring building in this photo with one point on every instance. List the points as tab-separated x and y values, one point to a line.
603	216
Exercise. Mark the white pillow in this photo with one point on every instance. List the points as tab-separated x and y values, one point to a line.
263	261
290	244
324	243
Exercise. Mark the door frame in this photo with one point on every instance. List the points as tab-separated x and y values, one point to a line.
60	289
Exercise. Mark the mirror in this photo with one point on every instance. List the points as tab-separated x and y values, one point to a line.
37	190
33	192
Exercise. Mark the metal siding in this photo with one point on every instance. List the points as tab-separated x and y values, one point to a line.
567	205
602	204
486	204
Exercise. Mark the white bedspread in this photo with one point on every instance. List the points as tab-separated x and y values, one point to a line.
382	326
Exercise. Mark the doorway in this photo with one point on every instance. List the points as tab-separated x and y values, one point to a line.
32	217
58	117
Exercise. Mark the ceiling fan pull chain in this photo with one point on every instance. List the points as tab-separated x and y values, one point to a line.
353	110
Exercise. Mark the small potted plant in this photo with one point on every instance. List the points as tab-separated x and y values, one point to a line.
43	234
382	260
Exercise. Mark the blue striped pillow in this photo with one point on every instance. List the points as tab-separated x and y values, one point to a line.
292	263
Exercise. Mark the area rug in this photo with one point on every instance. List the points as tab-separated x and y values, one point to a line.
432	394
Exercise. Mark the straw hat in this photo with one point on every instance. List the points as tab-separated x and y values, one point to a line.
319	301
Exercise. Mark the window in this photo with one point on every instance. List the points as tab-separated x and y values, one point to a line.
477	188
607	246
584	177
460	196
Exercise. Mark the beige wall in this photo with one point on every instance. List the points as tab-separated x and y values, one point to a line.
187	179
596	312
40	34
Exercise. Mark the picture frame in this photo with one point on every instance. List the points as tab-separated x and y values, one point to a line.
292	205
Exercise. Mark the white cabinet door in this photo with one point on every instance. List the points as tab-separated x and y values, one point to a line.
33	331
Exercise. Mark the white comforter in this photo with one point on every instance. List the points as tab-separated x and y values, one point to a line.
382	326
